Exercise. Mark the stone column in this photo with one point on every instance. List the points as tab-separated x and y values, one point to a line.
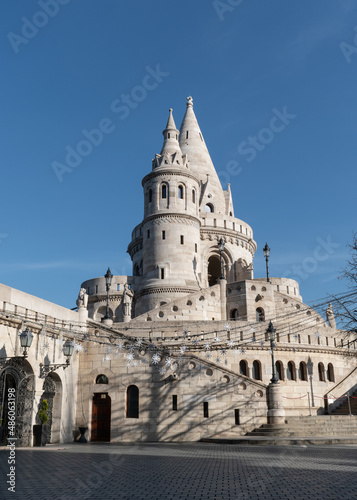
223	287
83	315
276	413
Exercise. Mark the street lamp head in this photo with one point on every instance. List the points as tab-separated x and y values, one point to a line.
108	278
271	331
266	250
26	338
68	347
221	244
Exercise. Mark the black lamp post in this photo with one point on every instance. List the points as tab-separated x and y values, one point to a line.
67	350
272	336
266	251
221	248
26	338
310	366
108	281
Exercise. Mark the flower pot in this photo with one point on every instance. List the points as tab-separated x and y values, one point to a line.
40	432
2	434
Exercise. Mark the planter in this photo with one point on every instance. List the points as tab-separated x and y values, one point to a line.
82	430
40	433
2	434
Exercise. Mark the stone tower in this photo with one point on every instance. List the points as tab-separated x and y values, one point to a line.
186	211
170	231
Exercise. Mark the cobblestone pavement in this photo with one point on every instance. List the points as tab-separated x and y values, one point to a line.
181	471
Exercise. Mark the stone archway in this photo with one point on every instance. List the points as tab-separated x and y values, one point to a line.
52	392
18	375
214	270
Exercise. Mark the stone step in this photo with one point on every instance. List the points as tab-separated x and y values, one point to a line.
321	425
283	441
300	434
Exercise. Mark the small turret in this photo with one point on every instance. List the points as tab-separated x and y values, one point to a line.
171	153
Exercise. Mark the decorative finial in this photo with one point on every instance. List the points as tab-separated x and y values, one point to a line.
189	102
170	110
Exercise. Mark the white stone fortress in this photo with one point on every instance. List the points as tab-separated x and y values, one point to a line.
180	350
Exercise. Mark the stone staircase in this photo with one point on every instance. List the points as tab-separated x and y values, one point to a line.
343	409
322	429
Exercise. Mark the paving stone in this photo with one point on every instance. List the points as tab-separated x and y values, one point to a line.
181	471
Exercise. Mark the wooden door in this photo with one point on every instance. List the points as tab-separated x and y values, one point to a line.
101	413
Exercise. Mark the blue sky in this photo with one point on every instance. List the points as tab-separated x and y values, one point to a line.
243	63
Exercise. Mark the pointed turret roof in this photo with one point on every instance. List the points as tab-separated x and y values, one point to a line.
171	134
193	145
170	122
171	153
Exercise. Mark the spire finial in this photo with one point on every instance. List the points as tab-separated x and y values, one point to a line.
189	102
170	122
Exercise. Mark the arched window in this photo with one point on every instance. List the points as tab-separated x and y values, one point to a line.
193	196
150	195
330	373
209	208
180	192
321	370
234	314
257	370
136	270
164	191
132	402
279	368
259	314
302	371
243	367
290	371
102	379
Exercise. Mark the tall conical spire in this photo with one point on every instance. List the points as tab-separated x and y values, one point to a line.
191	138
171	152
193	145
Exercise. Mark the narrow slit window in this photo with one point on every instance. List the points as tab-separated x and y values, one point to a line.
186	134
182	239
148	234
236	417
162	273
163	235
205	409
174	402
164	191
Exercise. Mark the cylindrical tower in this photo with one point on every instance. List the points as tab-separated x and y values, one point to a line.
170	230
